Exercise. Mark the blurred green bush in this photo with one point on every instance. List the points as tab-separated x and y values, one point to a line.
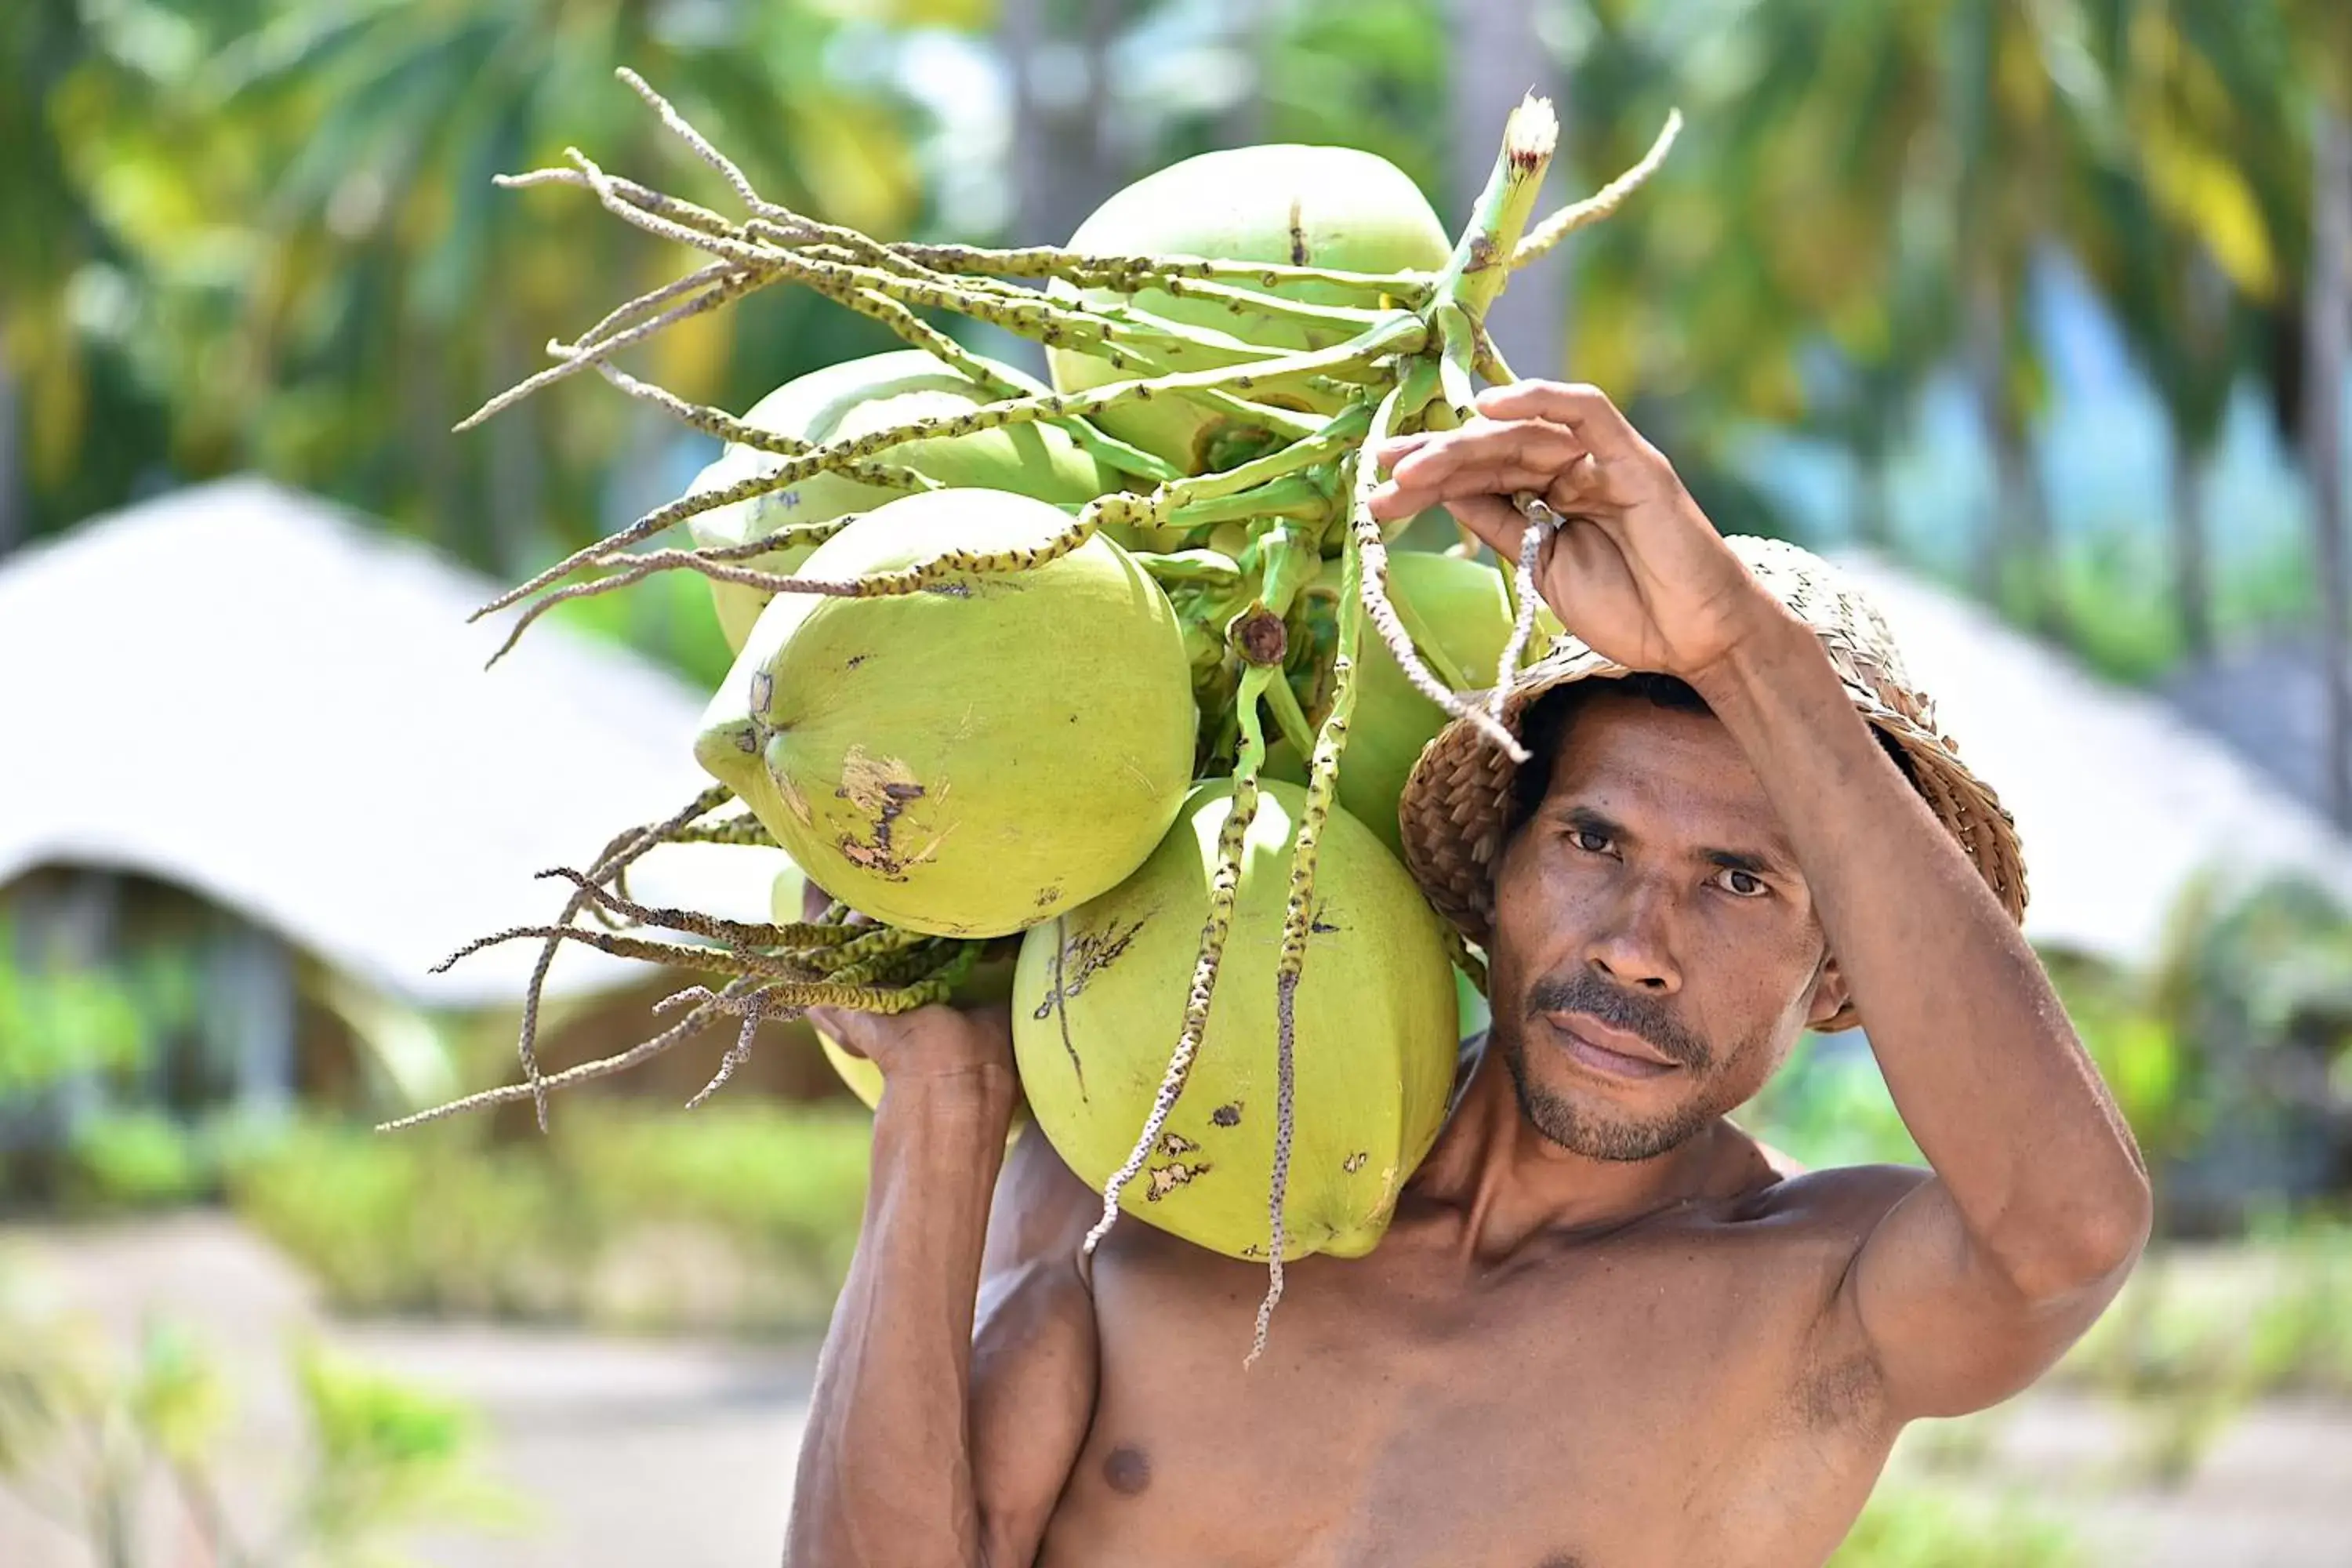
739	1218
1908	1525
90	1436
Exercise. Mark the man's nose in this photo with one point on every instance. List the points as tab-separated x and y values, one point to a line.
1634	945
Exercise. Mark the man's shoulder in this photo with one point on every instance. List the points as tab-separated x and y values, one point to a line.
1843	1197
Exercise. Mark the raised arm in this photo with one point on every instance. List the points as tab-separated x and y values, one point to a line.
915	1452
1975	1281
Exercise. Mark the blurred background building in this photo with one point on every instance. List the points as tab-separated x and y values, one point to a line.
2038	312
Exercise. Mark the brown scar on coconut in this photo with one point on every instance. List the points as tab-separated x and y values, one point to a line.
1078	959
881	789
1166	1179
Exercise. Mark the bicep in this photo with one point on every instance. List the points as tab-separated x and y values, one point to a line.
1947	1330
1033	1359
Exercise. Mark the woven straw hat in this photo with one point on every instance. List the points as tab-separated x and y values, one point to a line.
1457	802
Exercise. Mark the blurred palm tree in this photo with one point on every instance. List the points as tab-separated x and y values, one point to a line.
1947	134
314	274
407	287
2184	245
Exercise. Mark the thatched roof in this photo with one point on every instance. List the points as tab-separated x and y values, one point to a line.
2121	802
245	692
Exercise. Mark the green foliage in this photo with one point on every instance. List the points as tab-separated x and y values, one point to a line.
59	1020
2271	1316
413	1223
56	1024
793	1181
84	1432
389	1456
135	1159
1909	1526
736	1217
262	234
1828	1106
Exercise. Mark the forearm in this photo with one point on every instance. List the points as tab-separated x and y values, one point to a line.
885	1470
1974	1044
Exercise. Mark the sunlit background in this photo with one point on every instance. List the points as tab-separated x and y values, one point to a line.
2035	312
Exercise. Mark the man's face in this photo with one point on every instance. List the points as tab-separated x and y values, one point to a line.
1656	950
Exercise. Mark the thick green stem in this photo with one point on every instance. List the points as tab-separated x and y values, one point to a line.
1481	263
1202	568
1458	338
1290	718
1289	560
1334	436
1293	495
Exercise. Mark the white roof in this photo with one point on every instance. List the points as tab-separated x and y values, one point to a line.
245	692
2121	804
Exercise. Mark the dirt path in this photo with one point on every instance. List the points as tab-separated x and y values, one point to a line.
681	1453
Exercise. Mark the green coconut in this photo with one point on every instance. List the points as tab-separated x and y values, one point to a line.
972	758
1099	992
1315	206
857	399
1460	607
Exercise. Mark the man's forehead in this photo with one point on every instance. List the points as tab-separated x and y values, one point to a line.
1680	769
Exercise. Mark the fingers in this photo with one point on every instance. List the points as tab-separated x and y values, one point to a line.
1487	443
1583	409
1397	448
1489	458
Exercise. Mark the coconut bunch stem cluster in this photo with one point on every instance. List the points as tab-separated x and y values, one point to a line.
1262	543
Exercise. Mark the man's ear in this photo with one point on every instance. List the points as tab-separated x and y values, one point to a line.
1830	993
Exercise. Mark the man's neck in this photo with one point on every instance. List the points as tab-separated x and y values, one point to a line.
1492	1181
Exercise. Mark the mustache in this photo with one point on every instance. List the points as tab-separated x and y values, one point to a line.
1588	993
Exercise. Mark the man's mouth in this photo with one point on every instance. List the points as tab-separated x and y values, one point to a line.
1614	1053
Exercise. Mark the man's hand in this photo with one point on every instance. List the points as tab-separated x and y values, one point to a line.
1635	569
935	1043
930	1042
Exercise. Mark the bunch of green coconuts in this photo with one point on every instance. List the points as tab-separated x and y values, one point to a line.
1098	694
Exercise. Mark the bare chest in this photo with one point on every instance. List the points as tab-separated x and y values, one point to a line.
1665	1401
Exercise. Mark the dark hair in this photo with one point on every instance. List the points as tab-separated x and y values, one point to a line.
1544	728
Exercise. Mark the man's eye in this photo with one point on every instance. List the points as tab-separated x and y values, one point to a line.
1589	841
1741	884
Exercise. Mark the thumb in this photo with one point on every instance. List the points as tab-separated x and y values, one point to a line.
853	1031
1495	521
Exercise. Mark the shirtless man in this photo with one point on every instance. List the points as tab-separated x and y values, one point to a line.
1606	1328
